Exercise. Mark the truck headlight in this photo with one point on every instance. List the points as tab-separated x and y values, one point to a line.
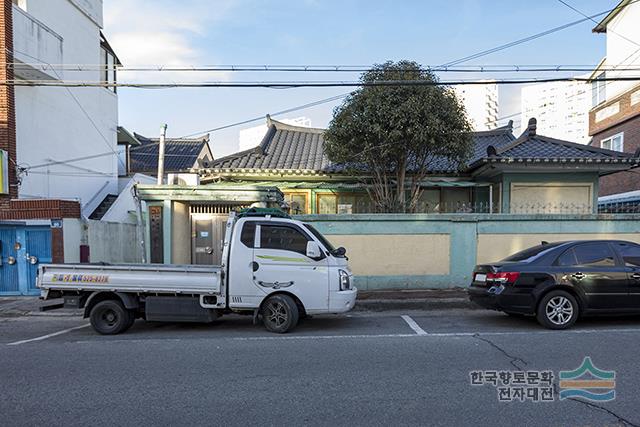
344	280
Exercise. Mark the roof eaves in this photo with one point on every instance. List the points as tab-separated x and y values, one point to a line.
584	147
602	25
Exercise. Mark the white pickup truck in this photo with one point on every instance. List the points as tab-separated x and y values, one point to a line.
274	267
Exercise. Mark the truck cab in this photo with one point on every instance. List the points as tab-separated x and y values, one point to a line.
275	255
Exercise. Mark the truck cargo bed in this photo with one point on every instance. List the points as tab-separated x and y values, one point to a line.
144	278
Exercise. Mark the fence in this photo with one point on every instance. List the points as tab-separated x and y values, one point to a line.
110	242
462	207
394	251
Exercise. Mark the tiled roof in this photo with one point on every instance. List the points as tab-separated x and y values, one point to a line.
292	148
289	147
180	154
531	147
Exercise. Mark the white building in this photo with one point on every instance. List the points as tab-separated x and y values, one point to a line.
251	137
481	103
65	137
561	108
623	51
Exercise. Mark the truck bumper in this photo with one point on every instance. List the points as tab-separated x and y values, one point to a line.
342	301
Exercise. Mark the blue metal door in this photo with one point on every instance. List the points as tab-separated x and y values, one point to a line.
23	248
8	262
37	251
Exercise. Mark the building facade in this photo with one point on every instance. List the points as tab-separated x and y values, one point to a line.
614	120
561	108
66	138
529	174
481	103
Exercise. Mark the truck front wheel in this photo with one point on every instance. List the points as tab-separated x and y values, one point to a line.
280	314
110	317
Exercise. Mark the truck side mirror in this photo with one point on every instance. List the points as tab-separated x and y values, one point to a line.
313	250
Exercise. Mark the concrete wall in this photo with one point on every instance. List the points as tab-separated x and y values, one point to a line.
108	241
440	251
58	124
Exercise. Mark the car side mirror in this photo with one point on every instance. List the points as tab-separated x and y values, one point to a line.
313	250
339	252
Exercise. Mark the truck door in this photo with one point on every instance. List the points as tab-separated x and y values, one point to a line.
280	263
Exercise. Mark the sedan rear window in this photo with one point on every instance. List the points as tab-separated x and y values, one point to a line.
588	254
531	253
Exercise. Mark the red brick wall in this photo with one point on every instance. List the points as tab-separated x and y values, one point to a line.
621	182
7	99
626	112
41	209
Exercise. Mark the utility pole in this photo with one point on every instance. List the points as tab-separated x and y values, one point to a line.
163	134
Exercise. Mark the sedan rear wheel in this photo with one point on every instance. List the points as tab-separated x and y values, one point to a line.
557	310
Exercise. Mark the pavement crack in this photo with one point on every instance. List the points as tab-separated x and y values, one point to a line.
597	407
513	360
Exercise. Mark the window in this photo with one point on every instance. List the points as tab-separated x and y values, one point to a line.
588	254
456	200
283	237
327	204
567	258
630	254
108	64
531	253
247	237
598	90
327	244
297	203
615	142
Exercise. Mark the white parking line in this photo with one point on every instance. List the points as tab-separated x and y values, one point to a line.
44	337
413	325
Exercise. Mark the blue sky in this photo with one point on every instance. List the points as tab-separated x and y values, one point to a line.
308	32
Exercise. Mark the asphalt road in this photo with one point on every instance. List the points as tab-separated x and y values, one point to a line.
363	369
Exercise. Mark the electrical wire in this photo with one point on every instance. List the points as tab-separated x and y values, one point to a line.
309	84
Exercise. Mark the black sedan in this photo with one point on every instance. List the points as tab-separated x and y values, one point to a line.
559	282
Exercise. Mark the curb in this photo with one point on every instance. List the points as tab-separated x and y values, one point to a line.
414	304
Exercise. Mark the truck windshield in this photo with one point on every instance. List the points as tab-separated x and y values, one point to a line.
320	237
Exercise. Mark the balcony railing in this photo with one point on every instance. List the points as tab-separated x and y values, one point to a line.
36	47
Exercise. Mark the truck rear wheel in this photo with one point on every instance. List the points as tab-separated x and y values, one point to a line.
280	314
110	317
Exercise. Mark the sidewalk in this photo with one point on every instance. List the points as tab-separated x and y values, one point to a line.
430	299
30	306
408	299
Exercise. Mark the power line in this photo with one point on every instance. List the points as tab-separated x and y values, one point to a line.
596	22
485	68
278	113
532	37
303	84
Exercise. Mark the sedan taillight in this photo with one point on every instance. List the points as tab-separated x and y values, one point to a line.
504	278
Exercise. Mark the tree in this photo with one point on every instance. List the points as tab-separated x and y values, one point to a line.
392	136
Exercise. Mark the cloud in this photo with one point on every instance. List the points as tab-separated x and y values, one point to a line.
159	32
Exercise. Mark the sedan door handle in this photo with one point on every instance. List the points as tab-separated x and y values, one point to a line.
578	276
636	276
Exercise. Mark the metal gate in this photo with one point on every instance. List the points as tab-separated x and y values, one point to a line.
208	237
22	248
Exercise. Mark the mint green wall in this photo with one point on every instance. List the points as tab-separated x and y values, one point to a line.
464	232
